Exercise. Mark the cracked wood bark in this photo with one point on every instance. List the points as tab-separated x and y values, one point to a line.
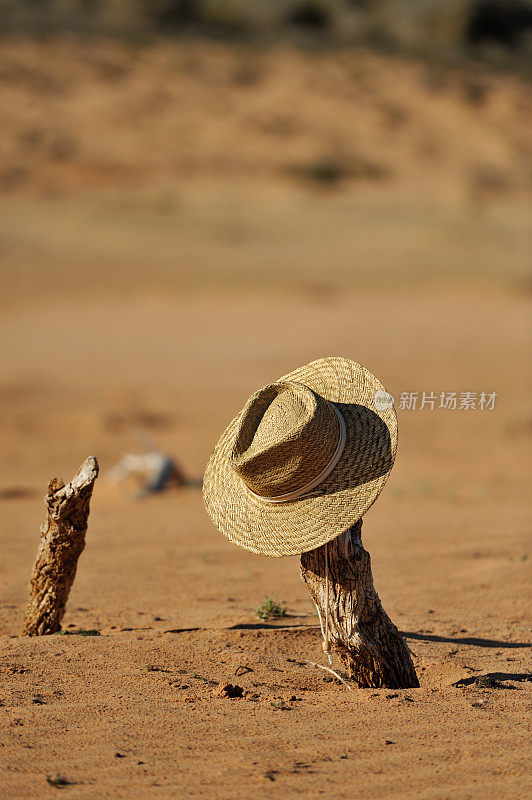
361	634
62	542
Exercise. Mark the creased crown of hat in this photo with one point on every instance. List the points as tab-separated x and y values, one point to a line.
303	460
287	437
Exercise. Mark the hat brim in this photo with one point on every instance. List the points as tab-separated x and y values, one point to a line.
285	529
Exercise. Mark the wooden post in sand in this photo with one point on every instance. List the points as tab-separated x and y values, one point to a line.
360	632
62	542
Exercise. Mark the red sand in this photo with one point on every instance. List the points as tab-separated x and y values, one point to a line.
121	311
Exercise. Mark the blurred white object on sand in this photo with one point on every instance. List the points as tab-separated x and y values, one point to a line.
154	470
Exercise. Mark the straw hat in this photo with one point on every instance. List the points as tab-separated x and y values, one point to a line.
304	459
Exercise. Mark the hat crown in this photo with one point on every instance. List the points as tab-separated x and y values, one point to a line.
286	436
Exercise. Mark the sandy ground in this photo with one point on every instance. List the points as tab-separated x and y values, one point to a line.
161	301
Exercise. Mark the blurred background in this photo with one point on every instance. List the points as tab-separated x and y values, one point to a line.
200	195
197	196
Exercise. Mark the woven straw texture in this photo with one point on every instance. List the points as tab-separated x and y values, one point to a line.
284	436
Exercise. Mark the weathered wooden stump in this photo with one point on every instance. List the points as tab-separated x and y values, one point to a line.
62	542
360	632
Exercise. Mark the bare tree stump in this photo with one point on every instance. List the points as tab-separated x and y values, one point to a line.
360	632
62	542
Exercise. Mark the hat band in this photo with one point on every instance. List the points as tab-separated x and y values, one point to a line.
305	490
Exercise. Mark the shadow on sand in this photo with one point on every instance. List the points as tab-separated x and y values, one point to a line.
494	680
427	637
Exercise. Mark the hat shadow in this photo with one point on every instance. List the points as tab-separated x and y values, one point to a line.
368	452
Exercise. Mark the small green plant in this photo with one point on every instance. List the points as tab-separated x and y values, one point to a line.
487	682
81	632
269	609
58	781
322	171
330	171
280	705
199	677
